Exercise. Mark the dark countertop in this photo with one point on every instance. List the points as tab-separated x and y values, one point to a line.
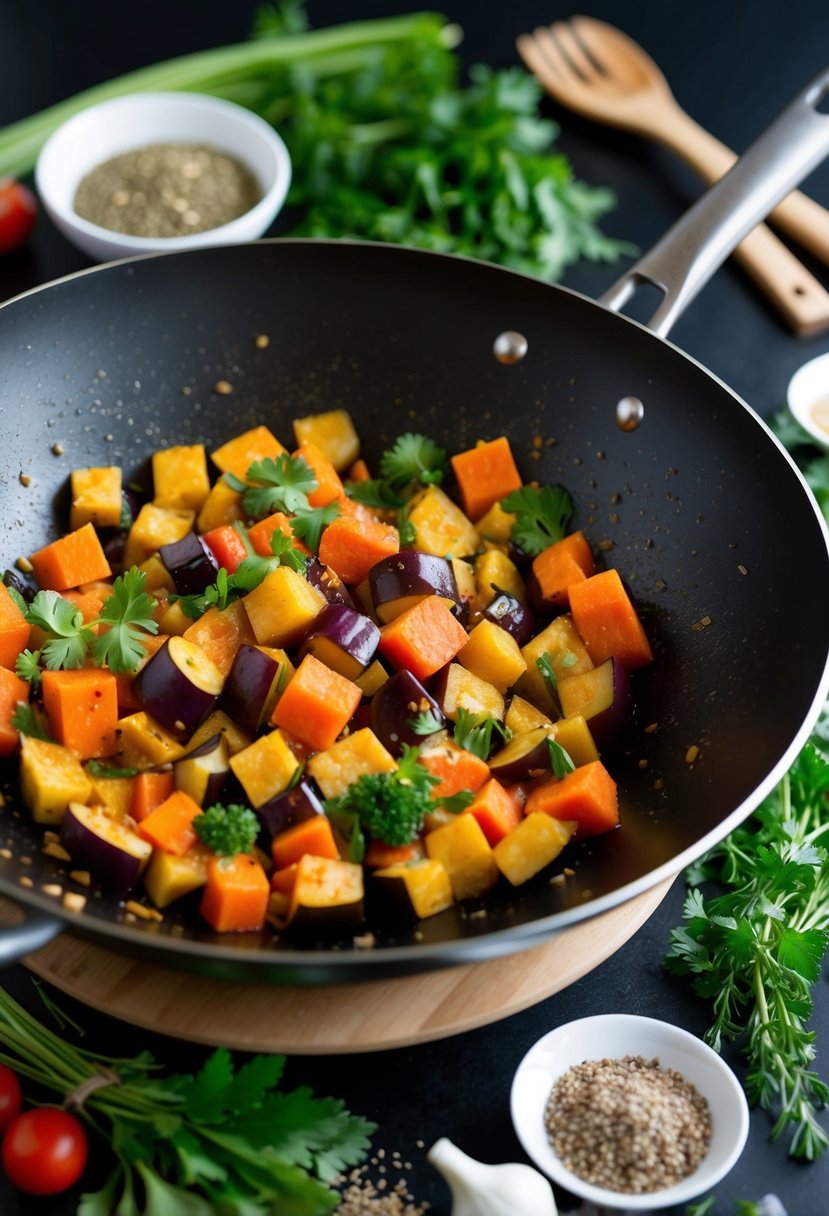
732	66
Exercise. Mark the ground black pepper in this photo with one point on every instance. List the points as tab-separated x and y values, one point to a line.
167	190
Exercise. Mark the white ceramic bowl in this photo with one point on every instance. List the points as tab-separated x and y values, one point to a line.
809	387
613	1036
113	127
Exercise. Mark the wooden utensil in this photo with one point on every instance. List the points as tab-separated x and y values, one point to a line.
596	70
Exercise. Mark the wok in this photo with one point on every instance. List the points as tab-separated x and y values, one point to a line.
700	509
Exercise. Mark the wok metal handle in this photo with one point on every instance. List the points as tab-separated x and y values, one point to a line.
683	261
30	935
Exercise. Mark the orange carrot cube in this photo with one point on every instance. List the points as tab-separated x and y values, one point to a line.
497	813
316	704
82	709
148	792
485	474
329	485
607	621
424	638
170	826
12	690
236	894
351	546
587	797
314	836
14	631
560	565
73	559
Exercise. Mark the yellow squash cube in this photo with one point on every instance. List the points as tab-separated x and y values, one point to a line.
532	845
441	526
496	525
223	505
218	722
494	569
143	742
565	650
96	497
573	734
282	607
168	878
341	764
265	768
51	777
237	455
153	527
462	689
494	655
114	793
466	856
522	716
180	477
333	433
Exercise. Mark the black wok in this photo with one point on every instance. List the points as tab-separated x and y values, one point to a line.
700	510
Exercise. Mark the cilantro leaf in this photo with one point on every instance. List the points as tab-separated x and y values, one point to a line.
376	493
425	723
98	769
415	458
68	638
308	523
28	721
541	516
282	484
455	803
128	613
474	732
561	762
283	547
27	666
227	830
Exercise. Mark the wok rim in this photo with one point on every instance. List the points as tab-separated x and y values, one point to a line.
415	957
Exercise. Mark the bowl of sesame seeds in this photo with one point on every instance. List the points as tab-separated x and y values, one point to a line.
157	172
628	1112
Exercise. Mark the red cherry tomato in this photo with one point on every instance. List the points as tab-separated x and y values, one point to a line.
44	1151
11	1097
18	211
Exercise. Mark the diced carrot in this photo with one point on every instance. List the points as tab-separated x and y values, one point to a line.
314	836
227	547
14	631
607	621
587	796
170	825
316	704
12	690
73	559
285	879
359	471
235	897
423	638
90	601
82	709
260	534
149	791
457	768
221	633
379	854
350	509
352	546
560	565
329	485
485	474
496	812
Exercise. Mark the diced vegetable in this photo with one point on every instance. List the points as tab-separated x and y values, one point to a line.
440	526
513	616
328	583
587	796
82	709
179	686
282	608
496	812
73	559
327	896
566	562
494	655
180	477
573	734
12	691
222	508
152	528
329	487
398	583
149	791
170	826
413	889
14	629
293	806
533	844
202	773
568	656
220	633
462	848
340	765
143	742
457	688
114	854
352	546
344	639
236	894
265	768
494	573
523	716
313	835
403	713
190	563
168	877
524	757
333	433
603	697
226	545
606	619
253	685
113	793
51	777
424	638
96	497
238	454
456	768
485	474
317	704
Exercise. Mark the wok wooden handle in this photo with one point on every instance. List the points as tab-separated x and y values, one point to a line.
797	295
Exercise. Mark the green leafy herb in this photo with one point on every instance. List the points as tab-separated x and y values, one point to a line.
548	675
308	523
541	516
389	806
27	666
98	769
455	803
68	638
474	732
250	572
28	721
813	464
282	484
375	493
407	530
283	547
16	598
755	951
126	519
425	723
224	1140
561	762
128	615
414	458
227	830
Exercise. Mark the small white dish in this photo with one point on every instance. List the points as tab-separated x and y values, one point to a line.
613	1036
106	130
808	398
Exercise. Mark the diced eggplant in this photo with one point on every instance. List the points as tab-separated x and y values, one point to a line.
327	897
604	697
289	808
190	563
251	687
114	855
178	686
203	772
508	612
456	688
398	582
412	890
524	757
13	580
394	705
328	583
344	639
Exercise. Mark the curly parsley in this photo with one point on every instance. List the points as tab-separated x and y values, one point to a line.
227	830
389	806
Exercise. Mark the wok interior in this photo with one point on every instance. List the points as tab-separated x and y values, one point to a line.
698	509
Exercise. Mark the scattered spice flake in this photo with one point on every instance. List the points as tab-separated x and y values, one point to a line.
186	390
702	623
25	881
262	341
143	913
659	784
53	849
643	764
6	854
742	569
25	861
606	544
73	901
57	449
692	754
364	941
537	441
25	479
223	387
651	727
535	454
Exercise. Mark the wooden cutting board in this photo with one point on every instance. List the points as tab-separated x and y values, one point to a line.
370	1016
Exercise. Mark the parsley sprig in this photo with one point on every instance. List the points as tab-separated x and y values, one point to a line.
414	461
250	572
474	732
282	484
755	950
126	614
227	830
389	806
224	1140
541	516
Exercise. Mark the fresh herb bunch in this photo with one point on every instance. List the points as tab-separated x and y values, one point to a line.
223	1141
755	950
126	613
227	830
813	463
389	806
541	516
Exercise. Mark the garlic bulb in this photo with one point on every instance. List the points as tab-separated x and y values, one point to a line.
491	1190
